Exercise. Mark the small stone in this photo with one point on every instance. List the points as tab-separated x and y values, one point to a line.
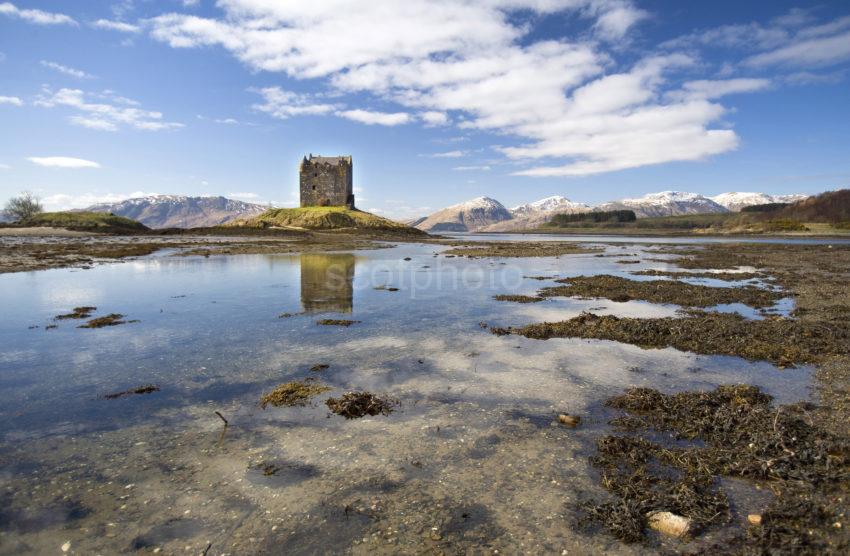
569	420
669	524
754	519
66	547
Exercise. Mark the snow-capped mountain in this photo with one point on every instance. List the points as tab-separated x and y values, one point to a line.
665	203
179	211
736	200
549	204
532	215
466	217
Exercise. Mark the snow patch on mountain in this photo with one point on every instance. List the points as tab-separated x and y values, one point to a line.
666	203
467	216
736	200
549	204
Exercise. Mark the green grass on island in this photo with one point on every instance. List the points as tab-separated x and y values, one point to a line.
102	222
324	218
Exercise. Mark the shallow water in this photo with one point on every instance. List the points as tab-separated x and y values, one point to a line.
472	457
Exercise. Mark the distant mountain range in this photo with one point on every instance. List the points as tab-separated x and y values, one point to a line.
484	214
737	200
179	211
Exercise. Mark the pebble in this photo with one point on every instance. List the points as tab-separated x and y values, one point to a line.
569	420
669	524
66	547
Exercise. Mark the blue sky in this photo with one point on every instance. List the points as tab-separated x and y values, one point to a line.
438	101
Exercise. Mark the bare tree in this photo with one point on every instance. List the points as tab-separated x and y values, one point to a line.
24	206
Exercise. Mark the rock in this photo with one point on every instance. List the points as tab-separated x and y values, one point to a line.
754	519
571	421
669	524
66	547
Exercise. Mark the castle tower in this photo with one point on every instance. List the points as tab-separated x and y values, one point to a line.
326	181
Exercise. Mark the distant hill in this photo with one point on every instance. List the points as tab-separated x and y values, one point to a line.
832	207
99	222
736	200
179	211
466	217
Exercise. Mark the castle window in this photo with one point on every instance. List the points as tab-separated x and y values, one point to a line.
314	188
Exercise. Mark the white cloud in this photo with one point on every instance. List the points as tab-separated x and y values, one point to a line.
615	22
14	101
788	40
120	26
93	123
38	17
5	167
483	168
283	104
62	162
447	154
369	117
434	118
568	101
78	74
709	89
63	201
812	78
820	51
109	114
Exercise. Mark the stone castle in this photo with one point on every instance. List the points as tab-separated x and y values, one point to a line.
326	181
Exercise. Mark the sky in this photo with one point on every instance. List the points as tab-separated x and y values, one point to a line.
438	101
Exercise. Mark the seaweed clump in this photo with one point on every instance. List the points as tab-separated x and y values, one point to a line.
145	389
660	291
517	249
112	319
518	298
739	433
296	393
707	333
336	322
353	405
77	313
747	436
635	472
728	275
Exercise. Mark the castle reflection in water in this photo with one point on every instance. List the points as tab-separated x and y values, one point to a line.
327	283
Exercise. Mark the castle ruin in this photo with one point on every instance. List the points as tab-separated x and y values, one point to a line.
326	181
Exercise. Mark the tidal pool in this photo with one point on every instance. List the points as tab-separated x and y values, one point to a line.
472	459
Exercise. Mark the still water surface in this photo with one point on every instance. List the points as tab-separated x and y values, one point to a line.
471	458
